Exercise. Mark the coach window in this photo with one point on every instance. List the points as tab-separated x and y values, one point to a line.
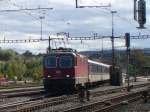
50	62
66	62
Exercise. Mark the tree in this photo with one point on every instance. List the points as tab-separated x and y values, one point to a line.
138	60
27	54
25	66
6	55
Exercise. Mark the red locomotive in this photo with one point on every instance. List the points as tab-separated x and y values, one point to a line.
65	70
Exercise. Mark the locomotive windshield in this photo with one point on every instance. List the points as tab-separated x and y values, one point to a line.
50	61
66	62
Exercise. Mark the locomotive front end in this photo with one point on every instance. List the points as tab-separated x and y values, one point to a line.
59	72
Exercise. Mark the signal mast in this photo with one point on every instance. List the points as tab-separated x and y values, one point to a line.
140	13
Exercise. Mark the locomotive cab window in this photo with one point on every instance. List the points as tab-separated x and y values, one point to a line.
66	62
50	61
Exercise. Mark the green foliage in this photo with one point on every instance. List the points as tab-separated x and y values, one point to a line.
6	55
147	60
26	66
133	70
137	61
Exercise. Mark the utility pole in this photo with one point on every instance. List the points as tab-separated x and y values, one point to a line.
112	39
127	38
115	74
49	45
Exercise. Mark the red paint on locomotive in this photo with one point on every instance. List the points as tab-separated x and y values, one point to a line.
58	72
82	66
63	77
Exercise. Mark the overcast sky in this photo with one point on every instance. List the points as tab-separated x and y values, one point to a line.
66	18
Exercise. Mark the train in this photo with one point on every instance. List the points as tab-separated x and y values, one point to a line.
66	70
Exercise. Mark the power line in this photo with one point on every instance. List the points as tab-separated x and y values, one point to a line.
88	6
26	9
122	18
20	7
117	15
63	38
141	37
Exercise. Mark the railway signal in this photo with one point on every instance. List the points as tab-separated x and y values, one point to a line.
140	12
127	39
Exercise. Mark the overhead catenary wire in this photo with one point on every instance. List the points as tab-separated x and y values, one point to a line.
122	18
81	38
129	21
125	19
20	7
71	38
25	9
30	14
108	10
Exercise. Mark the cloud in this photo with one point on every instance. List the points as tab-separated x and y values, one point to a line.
66	18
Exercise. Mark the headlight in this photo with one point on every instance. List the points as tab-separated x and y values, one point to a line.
49	76
68	76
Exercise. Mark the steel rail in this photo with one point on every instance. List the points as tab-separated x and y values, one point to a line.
20	92
115	105
39	104
101	105
25	93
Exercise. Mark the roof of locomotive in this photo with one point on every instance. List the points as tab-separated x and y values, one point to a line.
63	51
98	63
57	53
75	54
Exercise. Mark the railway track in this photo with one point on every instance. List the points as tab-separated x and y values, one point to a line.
116	104
30	105
21	92
106	104
34	104
18	84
